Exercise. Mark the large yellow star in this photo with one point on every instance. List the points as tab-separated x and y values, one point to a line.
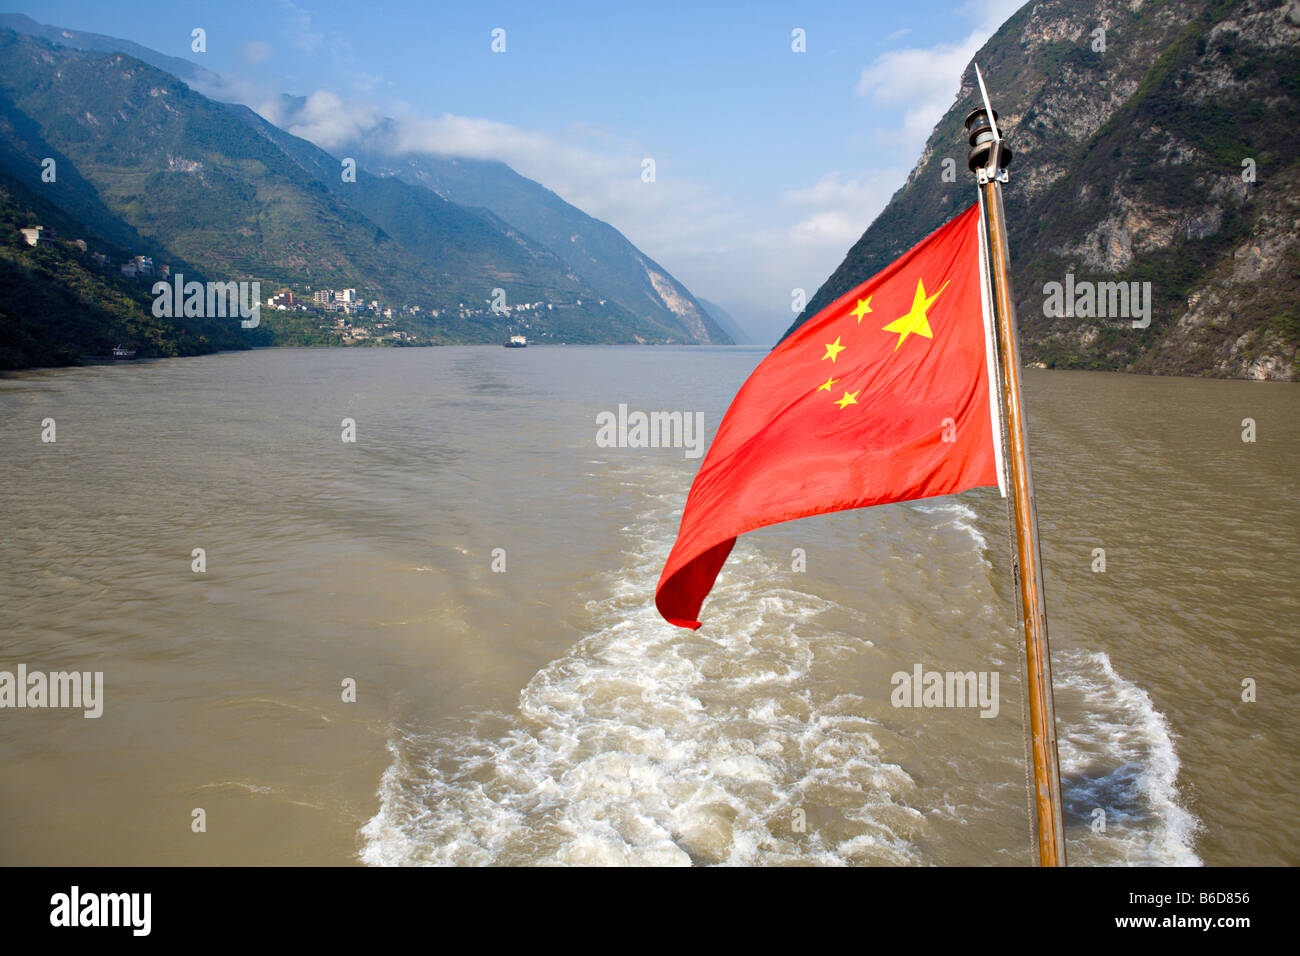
915	322
850	398
834	349
864	306
826	385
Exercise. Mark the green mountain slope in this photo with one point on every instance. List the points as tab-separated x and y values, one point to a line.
191	73
142	156
590	248
57	306
23	148
419	218
643	301
1129	166
175	167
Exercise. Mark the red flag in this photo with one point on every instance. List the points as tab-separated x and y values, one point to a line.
884	395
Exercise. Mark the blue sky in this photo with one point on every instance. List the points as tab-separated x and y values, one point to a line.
769	163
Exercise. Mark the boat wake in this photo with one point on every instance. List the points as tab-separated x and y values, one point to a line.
1120	759
737	744
646	744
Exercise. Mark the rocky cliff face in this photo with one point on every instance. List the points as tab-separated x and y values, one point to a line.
1156	143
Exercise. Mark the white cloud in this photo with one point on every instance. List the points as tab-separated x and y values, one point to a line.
256	51
834	188
298	27
363	82
841	208
924	81
833	228
591	168
329	121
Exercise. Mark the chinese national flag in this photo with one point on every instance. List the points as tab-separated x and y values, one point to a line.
884	395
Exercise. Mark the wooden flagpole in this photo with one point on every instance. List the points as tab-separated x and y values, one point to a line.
988	160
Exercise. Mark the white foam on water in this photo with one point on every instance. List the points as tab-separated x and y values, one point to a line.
647	744
1121	757
963	518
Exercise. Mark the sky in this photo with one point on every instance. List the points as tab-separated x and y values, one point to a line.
768	163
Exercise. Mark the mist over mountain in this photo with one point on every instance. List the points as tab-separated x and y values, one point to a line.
728	323
1155	142
592	249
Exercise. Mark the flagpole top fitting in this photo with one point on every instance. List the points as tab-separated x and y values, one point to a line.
982	142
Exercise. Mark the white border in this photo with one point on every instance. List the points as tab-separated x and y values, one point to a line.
990	351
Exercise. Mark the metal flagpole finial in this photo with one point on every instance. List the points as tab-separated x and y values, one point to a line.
984	95
988	157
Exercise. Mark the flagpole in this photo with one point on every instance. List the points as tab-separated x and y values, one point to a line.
988	160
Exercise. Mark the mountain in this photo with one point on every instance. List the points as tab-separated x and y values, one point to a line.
174	167
415	215
625	295
191	73
739	335
57	305
1168	153
590	248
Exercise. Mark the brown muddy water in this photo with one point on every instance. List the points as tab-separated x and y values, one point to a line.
544	713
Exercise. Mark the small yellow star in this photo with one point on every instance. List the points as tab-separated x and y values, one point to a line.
826	385
864	306
834	349
850	398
